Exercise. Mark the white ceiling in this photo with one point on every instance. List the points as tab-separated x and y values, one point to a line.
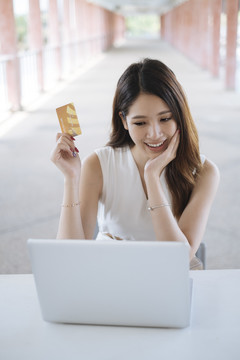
130	7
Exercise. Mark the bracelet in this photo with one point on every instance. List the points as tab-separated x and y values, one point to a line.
71	205
151	208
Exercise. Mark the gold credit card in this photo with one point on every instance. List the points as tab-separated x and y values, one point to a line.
68	120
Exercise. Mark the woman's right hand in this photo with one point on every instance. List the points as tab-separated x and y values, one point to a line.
65	156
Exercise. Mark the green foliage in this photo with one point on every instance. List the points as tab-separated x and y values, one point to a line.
137	25
21	30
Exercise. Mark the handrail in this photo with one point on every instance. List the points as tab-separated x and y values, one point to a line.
30	70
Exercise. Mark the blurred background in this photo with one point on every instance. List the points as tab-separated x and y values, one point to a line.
53	52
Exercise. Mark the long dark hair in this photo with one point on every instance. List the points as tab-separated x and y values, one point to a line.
153	77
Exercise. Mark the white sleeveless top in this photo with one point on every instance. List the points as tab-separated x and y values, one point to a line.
122	208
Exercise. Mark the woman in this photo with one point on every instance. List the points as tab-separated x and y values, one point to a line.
150	181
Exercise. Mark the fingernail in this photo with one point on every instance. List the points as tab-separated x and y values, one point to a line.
76	149
72	138
74	154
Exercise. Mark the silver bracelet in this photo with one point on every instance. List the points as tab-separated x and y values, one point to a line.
71	205
151	208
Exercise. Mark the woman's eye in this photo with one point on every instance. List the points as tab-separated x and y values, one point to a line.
139	123
166	119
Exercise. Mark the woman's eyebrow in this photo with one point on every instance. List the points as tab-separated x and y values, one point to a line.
144	116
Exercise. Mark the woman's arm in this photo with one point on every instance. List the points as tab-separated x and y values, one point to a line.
192	223
65	157
90	191
71	223
193	220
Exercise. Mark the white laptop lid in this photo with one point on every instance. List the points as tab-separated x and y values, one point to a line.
140	283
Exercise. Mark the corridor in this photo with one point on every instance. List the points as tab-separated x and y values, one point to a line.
32	186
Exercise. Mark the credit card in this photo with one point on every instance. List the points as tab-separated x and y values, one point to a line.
68	119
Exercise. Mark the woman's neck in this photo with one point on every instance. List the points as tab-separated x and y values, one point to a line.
140	163
140	159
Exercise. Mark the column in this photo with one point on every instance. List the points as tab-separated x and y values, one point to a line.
78	37
204	42
232	23
215	20
67	41
162	26
88	13
54	28
83	30
35	38
66	22
196	31
8	47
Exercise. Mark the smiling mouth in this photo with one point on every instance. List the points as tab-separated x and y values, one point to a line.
155	146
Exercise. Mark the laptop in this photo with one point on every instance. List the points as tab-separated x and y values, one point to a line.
124	283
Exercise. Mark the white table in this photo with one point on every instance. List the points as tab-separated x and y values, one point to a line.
214	332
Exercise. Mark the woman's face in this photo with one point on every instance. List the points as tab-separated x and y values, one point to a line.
150	125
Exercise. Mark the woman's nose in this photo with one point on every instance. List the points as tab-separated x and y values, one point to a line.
154	131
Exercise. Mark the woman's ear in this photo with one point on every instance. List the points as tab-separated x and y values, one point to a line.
124	120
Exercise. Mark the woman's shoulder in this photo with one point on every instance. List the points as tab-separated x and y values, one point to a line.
93	160
97	158
207	183
108	154
210	175
103	157
91	164
103	150
106	150
210	168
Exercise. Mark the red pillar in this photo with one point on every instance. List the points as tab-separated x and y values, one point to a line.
196	31
168	28
88	12
8	47
79	32
215	20
67	37
162	26
35	37
121	27
54	28
205	41
83	32
66	22
232	24
193	30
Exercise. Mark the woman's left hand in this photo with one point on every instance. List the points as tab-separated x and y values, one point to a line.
156	166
